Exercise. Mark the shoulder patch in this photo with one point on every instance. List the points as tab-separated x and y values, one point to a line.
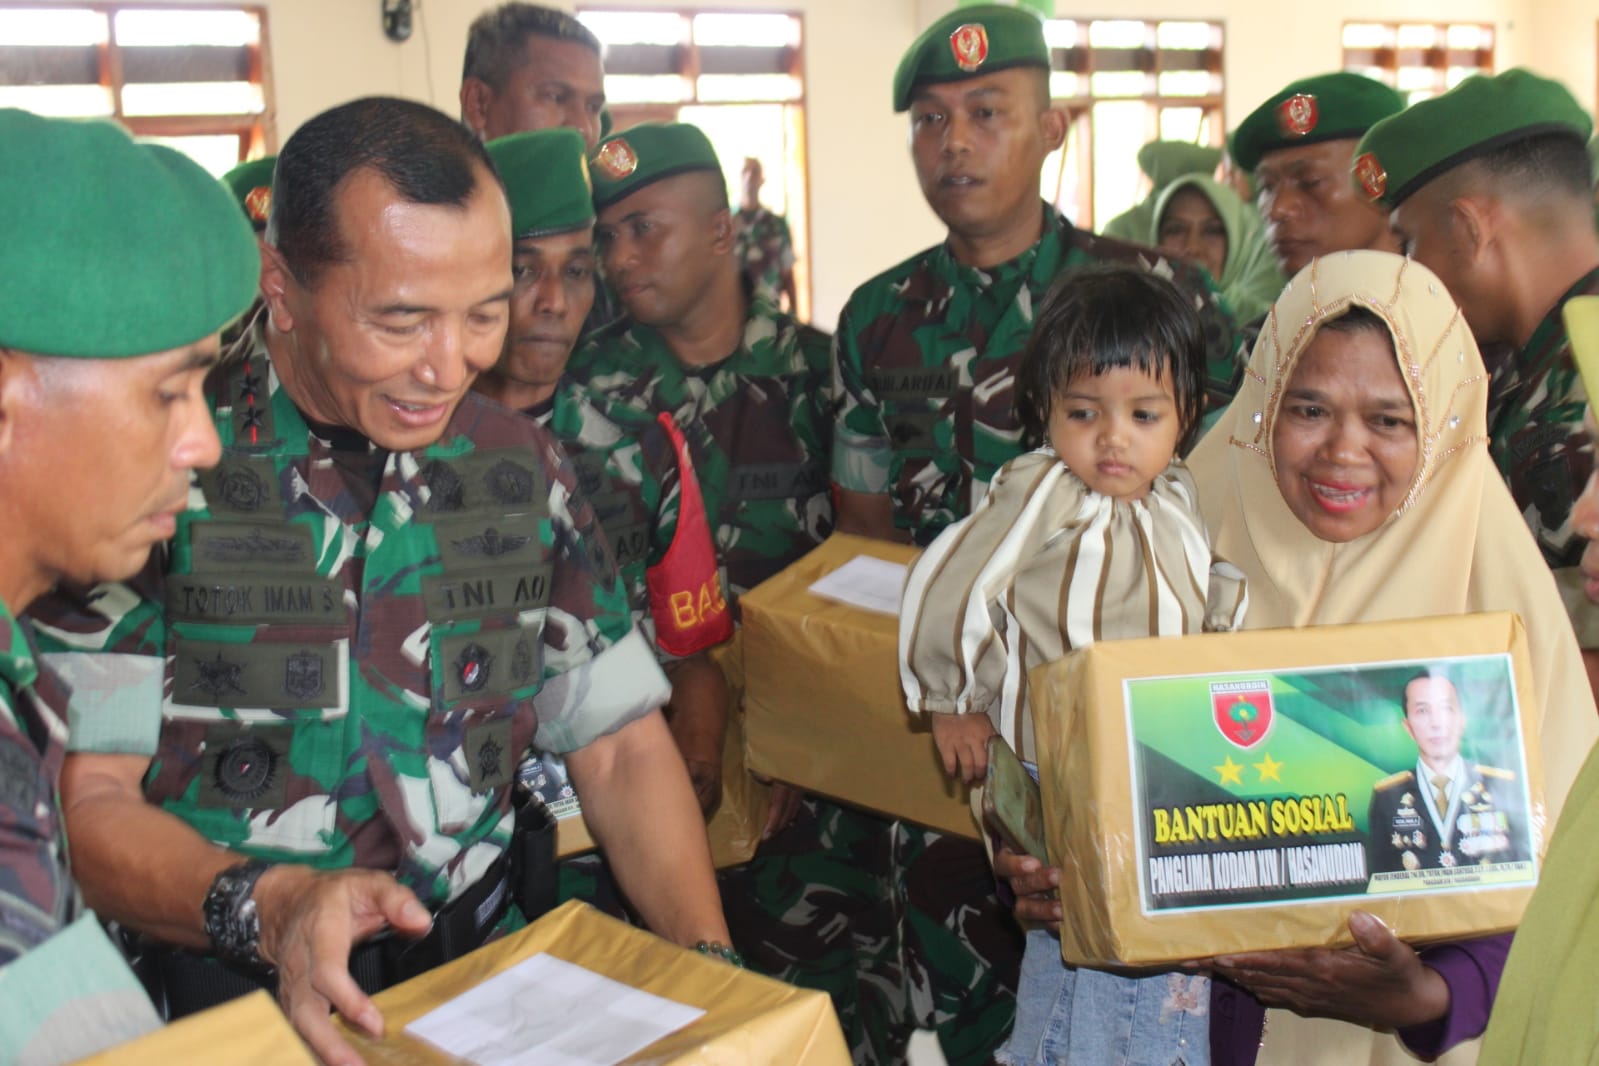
1403	777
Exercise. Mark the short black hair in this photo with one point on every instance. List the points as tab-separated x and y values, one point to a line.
425	155
496	39
1097	319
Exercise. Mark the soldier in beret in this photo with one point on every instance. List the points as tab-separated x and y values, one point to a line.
641	483
925	365
927	351
1488	186
1442	813
389	589
1299	145
102	419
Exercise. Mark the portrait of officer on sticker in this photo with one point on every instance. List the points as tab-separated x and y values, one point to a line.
1444	812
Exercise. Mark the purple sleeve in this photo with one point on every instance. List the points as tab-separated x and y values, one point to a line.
1471	968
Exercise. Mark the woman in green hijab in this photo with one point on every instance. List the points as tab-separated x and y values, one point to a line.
1200	219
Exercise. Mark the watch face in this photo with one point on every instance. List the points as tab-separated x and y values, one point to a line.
231	919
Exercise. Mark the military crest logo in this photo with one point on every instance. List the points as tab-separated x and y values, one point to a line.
218	677
472	666
1242	710
616	159
241	488
302	675
510	483
1372	177
258	203
1297	115
245	769
446	490
969	44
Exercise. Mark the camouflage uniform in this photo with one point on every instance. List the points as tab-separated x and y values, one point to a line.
926	358
765	251
66	990
757	424
360	644
926	362
1535	435
814	907
627	467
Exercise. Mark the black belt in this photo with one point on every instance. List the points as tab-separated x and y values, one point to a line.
183	983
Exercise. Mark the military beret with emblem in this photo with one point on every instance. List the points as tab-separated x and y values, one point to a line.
1327	107
113	249
968	43
546	176
1480	115
624	163
252	186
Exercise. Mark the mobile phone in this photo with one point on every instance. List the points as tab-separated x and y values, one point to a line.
1013	806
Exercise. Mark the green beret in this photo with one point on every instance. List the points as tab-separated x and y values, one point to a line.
626	162
1328	107
1481	114
113	249
252	186
1163	162
546	179
968	43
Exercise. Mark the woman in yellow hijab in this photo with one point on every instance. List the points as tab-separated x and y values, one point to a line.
1350	481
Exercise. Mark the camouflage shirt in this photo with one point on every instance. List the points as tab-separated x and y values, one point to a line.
37	896
1535	406
757	423
359	645
765	250
925	365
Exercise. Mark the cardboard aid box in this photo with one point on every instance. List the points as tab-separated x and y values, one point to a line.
735	827
823	706
1247	791
249	1031
749	1020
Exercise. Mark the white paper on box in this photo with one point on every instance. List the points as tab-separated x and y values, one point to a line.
864	582
549	1012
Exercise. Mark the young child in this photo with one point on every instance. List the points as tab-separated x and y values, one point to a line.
1096	535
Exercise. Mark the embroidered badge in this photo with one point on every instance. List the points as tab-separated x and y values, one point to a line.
1242	710
969	44
522	662
488	758
253	546
302	675
509	483
249	385
490	543
616	160
218	677
242	488
446	490
1297	115
1371	175
245	769
472	666
258	203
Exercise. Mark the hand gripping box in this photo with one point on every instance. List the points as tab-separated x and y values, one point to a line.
823	705
1247	791
748	1019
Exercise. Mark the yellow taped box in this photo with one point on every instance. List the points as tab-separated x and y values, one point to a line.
249	1031
824	709
1248	791
749	1019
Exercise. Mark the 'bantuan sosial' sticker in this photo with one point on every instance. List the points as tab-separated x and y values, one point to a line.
1327	783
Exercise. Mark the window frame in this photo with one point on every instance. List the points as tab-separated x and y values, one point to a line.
1390	58
256	133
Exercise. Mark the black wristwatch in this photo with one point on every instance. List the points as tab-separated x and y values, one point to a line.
231	920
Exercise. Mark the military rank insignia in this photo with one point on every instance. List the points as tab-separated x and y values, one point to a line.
258	203
969	44
1297	115
616	159
1372	177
